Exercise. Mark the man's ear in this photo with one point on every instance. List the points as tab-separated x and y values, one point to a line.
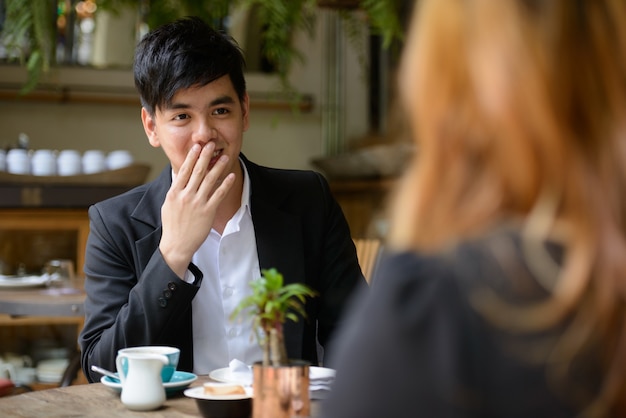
149	126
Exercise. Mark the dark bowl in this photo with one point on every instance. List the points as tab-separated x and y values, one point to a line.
225	406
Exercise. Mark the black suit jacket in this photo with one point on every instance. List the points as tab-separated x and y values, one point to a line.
134	298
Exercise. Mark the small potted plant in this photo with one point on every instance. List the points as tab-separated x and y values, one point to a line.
281	385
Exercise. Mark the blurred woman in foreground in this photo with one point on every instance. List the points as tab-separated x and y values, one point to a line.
505	295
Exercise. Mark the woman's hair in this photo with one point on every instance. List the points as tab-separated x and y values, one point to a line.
518	110
182	54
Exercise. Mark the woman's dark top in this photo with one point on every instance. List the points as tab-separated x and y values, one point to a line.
417	345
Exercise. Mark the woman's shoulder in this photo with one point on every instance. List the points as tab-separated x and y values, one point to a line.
501	260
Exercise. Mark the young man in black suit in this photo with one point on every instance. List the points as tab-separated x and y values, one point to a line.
167	262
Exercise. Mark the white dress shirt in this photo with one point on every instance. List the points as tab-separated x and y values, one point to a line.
228	262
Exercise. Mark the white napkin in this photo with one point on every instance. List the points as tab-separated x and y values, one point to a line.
320	378
240	372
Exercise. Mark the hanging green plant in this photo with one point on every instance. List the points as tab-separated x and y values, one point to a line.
29	36
29	31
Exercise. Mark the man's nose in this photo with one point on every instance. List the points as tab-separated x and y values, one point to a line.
205	133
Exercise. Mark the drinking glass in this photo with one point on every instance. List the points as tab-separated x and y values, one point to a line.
60	272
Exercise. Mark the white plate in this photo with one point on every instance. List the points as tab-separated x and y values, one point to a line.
227	376
16	282
180	380
198	393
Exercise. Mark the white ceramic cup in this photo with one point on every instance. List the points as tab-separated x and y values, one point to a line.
94	161
44	162
25	375
18	161
69	162
172	354
119	159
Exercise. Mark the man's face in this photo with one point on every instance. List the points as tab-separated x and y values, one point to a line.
199	115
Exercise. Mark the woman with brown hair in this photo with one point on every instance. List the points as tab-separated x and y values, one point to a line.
504	294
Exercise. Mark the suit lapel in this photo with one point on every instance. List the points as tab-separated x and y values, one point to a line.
147	217
279	241
278	233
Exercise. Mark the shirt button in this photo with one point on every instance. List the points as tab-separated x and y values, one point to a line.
233	332
228	291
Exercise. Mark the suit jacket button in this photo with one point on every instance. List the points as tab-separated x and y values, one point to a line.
172	286
162	302
167	294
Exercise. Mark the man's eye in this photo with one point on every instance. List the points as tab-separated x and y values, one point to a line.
220	111
182	116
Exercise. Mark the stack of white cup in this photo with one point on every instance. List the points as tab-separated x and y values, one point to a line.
119	159
44	162
69	162
18	161
94	161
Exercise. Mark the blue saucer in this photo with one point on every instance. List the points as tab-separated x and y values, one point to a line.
180	380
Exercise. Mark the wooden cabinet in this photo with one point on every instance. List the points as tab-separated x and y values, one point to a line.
44	218
29	237
19	333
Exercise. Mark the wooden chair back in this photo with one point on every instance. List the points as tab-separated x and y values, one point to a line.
367	251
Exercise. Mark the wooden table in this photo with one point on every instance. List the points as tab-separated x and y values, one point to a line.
97	400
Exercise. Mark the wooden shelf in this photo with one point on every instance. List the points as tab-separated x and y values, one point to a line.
116	87
21	321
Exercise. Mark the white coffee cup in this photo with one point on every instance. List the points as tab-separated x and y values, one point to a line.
25	375
18	161
44	162
119	159
172	354
69	162
94	161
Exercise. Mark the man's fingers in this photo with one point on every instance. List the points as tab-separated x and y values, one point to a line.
185	170
222	188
